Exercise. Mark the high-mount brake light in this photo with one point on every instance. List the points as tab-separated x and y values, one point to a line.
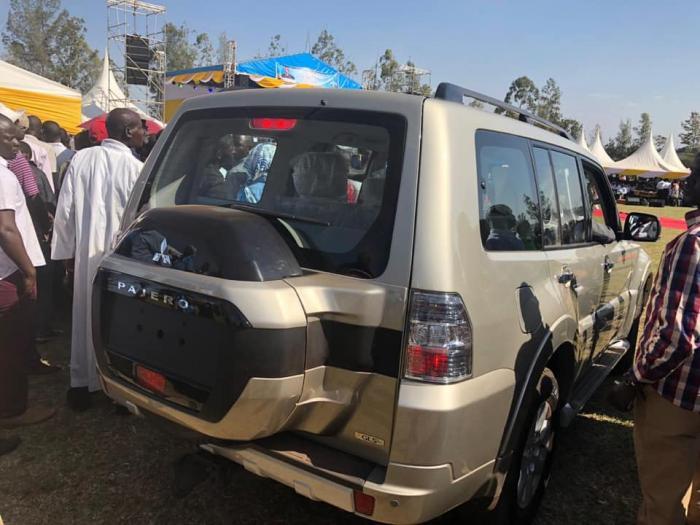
439	346
273	124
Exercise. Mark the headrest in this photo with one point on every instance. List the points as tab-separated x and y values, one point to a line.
372	191
320	175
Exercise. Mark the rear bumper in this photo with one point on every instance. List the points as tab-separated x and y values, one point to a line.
408	493
403	493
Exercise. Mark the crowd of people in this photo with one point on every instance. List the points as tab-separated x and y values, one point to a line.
61	201
634	190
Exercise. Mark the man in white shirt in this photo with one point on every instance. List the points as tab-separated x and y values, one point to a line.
44	156
20	253
90	206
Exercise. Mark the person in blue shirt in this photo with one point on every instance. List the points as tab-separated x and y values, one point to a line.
256	166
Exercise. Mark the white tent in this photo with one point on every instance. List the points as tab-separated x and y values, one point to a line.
670	157
27	92
106	95
646	162
599	151
581	141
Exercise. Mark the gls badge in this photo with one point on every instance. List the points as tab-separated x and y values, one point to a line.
379	442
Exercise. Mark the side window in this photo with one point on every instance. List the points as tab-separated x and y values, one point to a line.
508	205
572	210
600	201
548	197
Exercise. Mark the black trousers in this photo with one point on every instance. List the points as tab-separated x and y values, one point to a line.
16	337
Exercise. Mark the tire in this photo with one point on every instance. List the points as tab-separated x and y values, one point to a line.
530	467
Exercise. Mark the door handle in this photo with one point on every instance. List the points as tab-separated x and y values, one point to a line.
567	278
608	265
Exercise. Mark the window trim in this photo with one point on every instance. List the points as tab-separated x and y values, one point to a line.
607	195
549	148
556	193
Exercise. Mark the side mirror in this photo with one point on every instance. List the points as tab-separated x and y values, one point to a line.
642	227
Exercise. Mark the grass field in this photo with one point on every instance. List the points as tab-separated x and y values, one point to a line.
100	467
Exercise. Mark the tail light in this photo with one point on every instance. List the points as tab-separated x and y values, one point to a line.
439	339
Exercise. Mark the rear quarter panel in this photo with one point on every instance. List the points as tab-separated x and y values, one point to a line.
449	257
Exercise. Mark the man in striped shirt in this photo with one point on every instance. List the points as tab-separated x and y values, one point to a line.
667	362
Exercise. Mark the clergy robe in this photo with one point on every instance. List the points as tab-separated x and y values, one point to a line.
89	209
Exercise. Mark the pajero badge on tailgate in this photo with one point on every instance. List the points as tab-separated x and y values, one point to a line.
172	298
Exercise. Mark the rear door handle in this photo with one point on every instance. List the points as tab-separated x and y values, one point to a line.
608	265
567	277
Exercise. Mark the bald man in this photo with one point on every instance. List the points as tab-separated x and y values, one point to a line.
90	207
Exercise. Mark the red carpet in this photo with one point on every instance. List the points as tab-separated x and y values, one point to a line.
666	222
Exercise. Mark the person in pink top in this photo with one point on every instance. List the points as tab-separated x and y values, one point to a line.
30	131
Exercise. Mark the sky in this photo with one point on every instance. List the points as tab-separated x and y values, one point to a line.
613	59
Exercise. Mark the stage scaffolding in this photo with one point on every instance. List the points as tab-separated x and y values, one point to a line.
136	46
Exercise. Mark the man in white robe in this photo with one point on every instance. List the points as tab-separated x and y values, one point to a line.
90	208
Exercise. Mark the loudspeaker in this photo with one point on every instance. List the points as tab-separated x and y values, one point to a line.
138	59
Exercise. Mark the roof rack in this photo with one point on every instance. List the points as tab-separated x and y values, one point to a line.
455	93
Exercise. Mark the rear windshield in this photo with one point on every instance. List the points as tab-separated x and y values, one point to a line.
327	179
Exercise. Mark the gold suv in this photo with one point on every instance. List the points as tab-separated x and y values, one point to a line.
387	302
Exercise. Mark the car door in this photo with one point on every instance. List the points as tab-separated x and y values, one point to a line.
574	263
618	256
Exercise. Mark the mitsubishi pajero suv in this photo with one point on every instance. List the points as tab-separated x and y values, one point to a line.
389	303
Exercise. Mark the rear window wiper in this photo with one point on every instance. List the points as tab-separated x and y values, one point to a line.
276	214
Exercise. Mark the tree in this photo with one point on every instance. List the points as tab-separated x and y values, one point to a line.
327	50
412	82
476	104
622	144
691	132
222	48
179	53
572	126
549	102
523	93
275	48
204	49
643	129
47	40
659	142
389	69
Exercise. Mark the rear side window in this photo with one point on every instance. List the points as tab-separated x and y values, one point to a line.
509	210
572	210
327	179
